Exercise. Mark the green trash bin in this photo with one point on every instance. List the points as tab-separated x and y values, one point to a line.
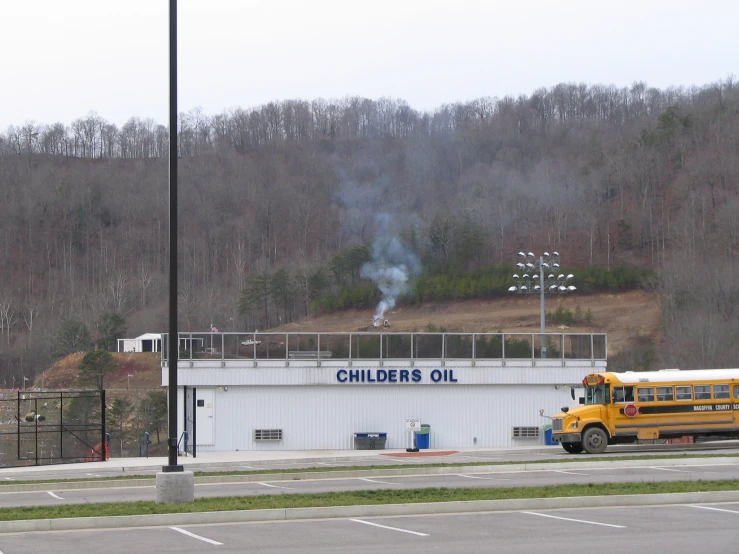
422	437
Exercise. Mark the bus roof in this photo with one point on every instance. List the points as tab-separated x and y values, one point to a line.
674	375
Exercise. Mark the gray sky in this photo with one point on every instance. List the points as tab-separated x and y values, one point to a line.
61	59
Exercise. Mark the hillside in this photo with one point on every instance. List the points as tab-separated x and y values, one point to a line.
622	316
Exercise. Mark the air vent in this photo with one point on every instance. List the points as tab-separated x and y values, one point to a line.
267	434
525	432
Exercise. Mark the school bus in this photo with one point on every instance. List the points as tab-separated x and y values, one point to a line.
625	407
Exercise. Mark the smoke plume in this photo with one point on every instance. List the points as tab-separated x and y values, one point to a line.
392	265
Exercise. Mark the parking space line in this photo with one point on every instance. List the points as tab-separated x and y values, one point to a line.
715	509
390	528
576	520
194	536
668	469
273	486
54	495
375	481
483	478
567	472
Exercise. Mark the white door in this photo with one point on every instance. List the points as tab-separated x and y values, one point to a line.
205	417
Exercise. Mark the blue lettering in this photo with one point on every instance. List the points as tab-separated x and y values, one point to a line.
416	376
404	375
436	376
369	377
381	375
392	376
341	376
451	376
354	376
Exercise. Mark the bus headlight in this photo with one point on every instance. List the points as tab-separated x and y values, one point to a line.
573	425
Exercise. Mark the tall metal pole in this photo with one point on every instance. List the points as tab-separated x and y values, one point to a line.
173	336
541	295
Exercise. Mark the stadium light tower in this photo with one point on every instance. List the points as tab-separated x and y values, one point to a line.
528	283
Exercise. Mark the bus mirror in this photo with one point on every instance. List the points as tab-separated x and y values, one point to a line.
582	400
572	393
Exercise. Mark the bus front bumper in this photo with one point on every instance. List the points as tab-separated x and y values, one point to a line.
566	437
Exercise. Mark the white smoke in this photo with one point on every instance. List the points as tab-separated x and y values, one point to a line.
392	265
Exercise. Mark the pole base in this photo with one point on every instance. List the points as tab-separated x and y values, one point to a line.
175	487
411	449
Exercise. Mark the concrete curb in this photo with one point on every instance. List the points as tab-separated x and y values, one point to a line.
199	518
364	473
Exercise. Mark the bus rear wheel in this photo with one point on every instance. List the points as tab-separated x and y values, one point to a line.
595	440
572	447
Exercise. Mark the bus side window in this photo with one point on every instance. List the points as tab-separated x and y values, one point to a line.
721	392
664	394
736	391
623	394
645	394
684	393
702	392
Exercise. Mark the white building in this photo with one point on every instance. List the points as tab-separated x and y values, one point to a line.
301	391
148	342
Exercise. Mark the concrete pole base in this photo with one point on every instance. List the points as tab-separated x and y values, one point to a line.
175	487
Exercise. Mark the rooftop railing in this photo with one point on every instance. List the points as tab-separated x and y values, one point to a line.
389	346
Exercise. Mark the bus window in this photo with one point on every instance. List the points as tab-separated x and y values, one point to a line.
702	392
645	394
623	394
684	393
597	395
664	394
721	392
736	391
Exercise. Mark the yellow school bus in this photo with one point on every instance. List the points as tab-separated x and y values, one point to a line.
625	407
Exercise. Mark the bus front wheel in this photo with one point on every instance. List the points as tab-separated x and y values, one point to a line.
572	447
595	440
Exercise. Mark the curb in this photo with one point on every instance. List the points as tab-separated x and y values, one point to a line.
244	516
345	474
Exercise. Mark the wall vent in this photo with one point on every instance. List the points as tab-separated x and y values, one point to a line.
267	434
525	432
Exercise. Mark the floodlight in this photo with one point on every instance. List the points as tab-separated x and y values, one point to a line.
556	253
561	276
525	275
555	264
521	254
570	276
571	288
530	265
515	276
546	254
531	254
523	287
537	287
550	276
562	289
520	265
511	289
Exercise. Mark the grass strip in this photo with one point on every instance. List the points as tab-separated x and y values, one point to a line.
357	498
328	469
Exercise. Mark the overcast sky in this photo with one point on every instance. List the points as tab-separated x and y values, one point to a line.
61	59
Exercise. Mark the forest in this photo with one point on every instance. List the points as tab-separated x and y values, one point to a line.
304	205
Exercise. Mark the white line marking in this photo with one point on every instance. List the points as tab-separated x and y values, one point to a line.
483	478
248	467
194	536
273	486
325	464
567	472
54	495
391	528
93	474
576	520
716	509
9	479
668	469
374	481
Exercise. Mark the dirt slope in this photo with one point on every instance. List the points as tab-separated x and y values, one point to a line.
622	316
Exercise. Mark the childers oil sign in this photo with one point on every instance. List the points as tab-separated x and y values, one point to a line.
395	376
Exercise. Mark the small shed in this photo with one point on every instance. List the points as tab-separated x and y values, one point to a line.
148	342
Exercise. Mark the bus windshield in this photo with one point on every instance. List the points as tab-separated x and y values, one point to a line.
597	395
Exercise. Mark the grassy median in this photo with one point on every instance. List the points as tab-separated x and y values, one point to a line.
284	501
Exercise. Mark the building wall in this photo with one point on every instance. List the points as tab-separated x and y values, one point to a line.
318	408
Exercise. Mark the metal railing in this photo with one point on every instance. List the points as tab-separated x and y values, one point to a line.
389	346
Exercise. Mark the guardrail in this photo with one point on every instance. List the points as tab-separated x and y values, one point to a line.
389	346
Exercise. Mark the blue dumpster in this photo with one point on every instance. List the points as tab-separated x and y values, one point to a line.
370	441
422	437
548	437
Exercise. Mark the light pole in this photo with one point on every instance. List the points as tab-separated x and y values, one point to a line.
527	282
